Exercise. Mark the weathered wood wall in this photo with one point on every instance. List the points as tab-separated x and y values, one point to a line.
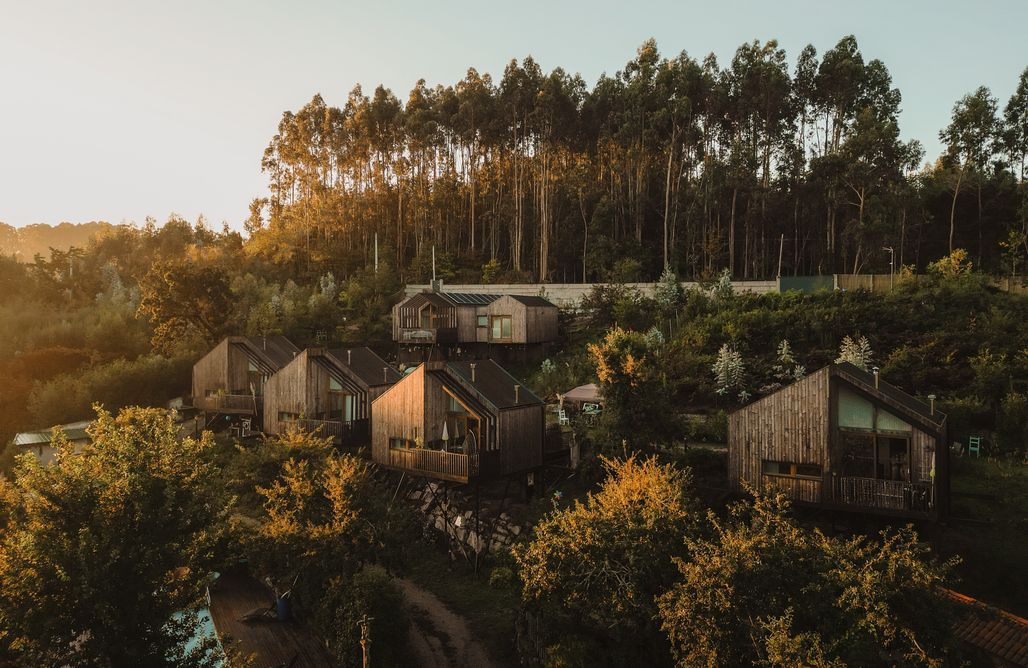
398	413
520	436
540	324
210	373
791	425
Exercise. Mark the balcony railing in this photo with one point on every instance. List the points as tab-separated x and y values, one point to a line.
428	334
344	432
233	402
885	494
439	462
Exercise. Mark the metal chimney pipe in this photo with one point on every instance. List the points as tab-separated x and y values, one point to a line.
931	401
385	374
517	394
875	369
472	365
348	356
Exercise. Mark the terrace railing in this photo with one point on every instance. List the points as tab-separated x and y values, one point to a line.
353	431
234	402
452	465
885	494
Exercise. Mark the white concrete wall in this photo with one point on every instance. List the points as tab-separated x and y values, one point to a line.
570	294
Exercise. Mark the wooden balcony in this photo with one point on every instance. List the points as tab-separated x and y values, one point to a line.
893	495
232	403
436	463
354	432
418	335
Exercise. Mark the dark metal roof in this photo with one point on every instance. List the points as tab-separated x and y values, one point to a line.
278	349
366	365
432	297
494	383
532	300
470	298
893	393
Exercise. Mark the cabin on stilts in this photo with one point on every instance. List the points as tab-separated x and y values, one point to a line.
843	439
328	392
230	379
457	325
465	422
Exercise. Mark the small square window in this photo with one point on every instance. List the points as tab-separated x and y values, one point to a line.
483	321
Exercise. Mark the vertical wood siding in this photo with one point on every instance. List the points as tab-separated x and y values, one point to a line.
790	425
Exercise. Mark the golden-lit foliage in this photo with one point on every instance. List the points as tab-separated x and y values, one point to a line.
607	557
100	549
763	589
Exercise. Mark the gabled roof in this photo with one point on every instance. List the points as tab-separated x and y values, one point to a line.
75	431
891	393
864	381
493	383
997	632
278	349
532	300
469	298
366	365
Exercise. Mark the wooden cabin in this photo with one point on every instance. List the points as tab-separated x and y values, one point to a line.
230	379
473	326
461	421
843	439
329	391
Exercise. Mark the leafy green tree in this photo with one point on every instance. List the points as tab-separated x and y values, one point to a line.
104	554
636	409
970	140
730	373
855	351
761	590
1015	124
599	564
182	301
668	293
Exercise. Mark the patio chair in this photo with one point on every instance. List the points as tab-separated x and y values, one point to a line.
974	446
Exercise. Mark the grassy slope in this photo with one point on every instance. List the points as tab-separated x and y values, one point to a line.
995	555
490	611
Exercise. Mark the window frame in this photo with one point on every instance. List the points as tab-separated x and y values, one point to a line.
793	468
500	320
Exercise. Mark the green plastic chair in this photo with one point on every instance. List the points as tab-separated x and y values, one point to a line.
974	446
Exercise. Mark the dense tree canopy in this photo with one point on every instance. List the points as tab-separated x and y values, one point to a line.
671	161
104	555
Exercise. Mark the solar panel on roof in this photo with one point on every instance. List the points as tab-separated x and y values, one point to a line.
470	298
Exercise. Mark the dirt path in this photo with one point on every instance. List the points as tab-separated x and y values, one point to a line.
439	637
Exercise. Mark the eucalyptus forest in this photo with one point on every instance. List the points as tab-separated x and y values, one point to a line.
672	161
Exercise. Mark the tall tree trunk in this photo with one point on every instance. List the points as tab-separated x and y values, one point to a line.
953	207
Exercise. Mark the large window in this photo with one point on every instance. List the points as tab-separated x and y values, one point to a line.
462	427
340	403
873	443
791	469
255	380
501	329
428	317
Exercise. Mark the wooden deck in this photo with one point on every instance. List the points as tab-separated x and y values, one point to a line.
271	643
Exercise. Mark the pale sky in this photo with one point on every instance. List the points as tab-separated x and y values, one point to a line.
116	110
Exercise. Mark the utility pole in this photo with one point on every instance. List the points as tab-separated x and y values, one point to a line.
433	265
892	257
781	244
365	624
